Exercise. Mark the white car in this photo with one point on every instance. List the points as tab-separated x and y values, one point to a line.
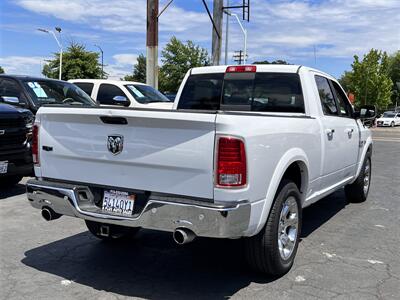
244	151
389	118
123	93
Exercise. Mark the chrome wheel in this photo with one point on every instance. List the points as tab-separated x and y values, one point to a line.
367	176
288	227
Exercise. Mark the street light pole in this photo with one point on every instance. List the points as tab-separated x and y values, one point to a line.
244	33
226	35
59	45
102	53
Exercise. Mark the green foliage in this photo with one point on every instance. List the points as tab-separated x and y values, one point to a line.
345	81
139	70
177	59
1	70
77	62
275	62
394	74
369	79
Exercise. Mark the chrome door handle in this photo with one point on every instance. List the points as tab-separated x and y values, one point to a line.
350	132
329	133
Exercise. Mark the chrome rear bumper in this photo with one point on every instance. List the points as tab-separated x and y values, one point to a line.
222	220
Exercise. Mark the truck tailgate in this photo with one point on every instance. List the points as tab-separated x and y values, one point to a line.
163	151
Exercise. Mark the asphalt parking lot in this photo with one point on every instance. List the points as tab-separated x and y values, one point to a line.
347	251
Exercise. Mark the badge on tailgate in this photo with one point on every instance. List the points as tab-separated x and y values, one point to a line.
115	144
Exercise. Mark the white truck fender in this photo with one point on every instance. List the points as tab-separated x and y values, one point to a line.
367	144
291	156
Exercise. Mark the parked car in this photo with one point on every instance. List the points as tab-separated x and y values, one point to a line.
33	92
170	96
15	144
244	151
123	93
389	118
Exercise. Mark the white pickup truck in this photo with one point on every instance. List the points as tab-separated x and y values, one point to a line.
244	150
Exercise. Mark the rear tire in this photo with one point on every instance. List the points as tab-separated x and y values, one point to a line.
10	181
357	192
273	249
115	232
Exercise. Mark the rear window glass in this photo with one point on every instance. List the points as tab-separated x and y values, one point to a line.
266	92
87	87
202	91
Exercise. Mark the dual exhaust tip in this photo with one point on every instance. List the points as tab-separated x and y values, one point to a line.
48	214
181	236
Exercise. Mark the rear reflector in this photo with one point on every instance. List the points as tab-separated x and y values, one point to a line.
35	144
231	163
241	69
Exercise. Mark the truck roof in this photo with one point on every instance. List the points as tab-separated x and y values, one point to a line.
106	81
27	77
260	68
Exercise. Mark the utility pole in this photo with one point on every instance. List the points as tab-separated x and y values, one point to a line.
226	35
102	62
238	57
216	33
152	44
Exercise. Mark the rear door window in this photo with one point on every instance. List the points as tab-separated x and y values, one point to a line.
87	87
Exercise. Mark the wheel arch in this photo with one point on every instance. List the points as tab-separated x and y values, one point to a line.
293	165
366	149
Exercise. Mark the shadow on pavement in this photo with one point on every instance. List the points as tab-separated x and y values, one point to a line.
319	213
15	190
152	266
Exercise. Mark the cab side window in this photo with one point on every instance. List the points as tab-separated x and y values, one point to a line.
87	87
326	96
10	88
107	92
345	109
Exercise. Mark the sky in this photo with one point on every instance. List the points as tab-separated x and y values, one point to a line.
288	30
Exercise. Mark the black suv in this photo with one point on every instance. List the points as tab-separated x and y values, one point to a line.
15	144
32	92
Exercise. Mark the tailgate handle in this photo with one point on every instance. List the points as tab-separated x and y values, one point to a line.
114	120
47	148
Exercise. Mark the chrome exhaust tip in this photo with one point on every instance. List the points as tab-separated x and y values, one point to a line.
48	214
183	236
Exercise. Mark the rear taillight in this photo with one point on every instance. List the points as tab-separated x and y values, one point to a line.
231	163
35	144
241	69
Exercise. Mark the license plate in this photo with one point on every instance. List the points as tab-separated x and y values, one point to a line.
3	167
118	202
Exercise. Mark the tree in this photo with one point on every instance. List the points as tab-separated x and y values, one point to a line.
394	74
369	79
77	62
177	59
1	70
345	80
139	70
275	62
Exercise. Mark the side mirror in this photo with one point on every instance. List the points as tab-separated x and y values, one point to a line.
366	112
121	100
10	100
